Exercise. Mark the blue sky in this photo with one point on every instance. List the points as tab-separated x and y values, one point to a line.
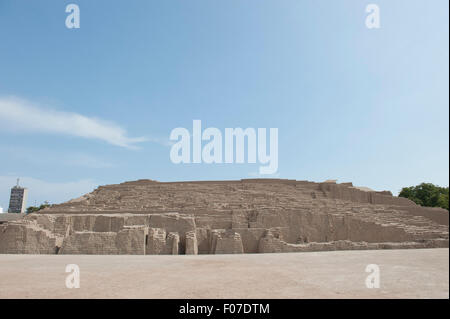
369	106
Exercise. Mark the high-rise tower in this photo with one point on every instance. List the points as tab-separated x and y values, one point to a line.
18	199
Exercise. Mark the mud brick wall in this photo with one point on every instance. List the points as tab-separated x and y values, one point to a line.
221	217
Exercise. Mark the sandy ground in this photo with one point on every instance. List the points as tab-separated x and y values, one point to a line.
421	273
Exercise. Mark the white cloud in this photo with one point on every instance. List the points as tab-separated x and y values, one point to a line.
21	115
40	191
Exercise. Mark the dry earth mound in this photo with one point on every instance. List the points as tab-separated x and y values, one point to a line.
226	217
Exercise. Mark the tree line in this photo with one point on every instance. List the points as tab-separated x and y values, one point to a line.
427	194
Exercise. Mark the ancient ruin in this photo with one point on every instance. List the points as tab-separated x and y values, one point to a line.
147	217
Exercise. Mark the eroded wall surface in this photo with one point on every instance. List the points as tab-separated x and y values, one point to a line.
226	217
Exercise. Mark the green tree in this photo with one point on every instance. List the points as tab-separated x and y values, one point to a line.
427	194
33	209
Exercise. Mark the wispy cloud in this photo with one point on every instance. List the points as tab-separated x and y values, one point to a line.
21	115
